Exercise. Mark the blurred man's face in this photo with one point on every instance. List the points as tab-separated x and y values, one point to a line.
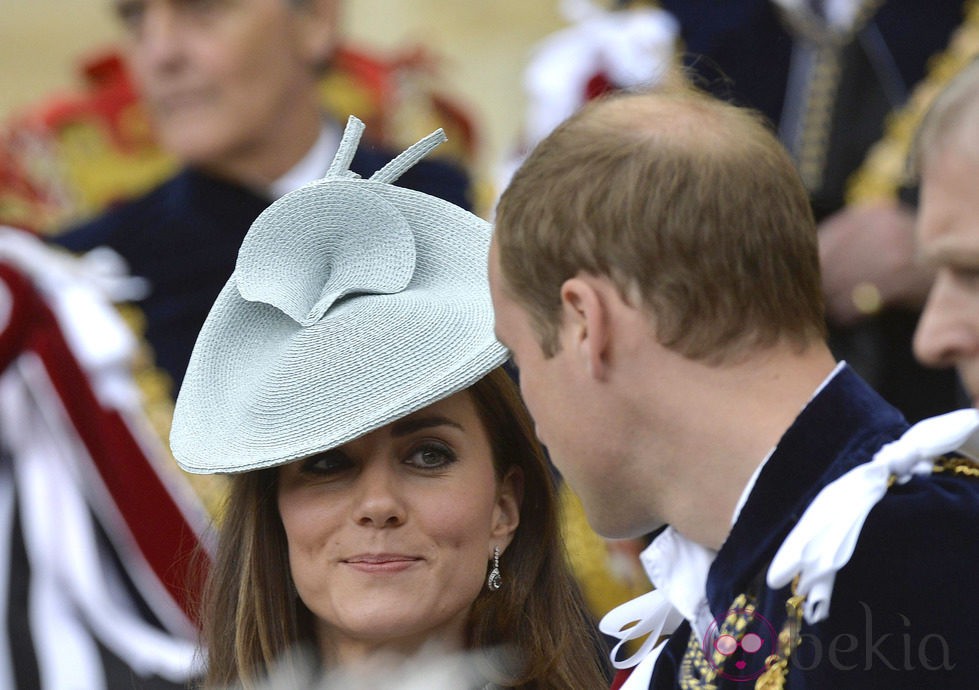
948	238
224	79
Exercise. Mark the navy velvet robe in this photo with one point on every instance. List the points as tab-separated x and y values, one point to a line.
902	611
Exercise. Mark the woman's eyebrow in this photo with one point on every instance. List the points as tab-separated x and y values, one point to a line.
410	425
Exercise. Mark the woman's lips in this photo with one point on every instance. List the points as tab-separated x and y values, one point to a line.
381	563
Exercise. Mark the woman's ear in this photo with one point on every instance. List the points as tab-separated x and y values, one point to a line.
506	513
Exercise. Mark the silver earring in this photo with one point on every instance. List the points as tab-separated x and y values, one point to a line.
495	580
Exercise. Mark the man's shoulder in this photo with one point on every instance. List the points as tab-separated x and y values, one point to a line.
953	476
914	557
902	608
934	515
121	222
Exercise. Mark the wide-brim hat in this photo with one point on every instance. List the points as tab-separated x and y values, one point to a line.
352	304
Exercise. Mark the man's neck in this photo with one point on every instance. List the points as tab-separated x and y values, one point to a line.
313	165
727	420
260	164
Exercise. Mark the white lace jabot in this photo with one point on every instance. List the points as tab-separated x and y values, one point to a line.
678	568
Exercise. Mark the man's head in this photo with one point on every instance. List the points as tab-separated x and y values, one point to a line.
231	84
946	157
689	205
649	236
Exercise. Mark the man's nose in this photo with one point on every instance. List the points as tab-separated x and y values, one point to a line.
948	327
159	37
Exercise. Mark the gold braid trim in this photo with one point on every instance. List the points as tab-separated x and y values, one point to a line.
884	169
777	673
955	464
697	671
811	143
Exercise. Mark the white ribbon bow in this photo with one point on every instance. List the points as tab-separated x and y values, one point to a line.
678	569
652	615
823	540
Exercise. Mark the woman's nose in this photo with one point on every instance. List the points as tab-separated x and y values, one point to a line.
380	501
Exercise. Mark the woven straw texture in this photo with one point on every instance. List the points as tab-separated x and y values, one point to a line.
353	303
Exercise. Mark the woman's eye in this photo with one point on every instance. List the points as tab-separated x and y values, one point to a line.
431	456
326	464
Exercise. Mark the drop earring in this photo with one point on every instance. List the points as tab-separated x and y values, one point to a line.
495	580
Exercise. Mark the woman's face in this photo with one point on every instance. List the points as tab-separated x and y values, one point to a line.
389	535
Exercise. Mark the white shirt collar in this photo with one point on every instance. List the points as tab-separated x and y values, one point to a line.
313	165
678	567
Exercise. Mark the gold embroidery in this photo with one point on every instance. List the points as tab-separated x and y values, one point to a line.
955	464
697	672
884	169
811	143
788	639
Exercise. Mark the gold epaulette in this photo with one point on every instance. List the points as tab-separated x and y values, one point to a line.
957	465
884	169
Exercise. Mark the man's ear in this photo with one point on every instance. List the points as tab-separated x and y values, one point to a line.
585	323
319	29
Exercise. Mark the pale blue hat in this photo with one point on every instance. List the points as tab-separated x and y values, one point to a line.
353	303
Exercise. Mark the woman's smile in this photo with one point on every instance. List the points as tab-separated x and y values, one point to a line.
382	562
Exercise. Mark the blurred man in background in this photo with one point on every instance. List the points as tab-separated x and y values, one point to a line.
947	158
233	91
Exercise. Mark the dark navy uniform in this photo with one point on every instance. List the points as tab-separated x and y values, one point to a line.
903	607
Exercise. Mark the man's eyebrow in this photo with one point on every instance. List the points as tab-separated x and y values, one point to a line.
404	427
